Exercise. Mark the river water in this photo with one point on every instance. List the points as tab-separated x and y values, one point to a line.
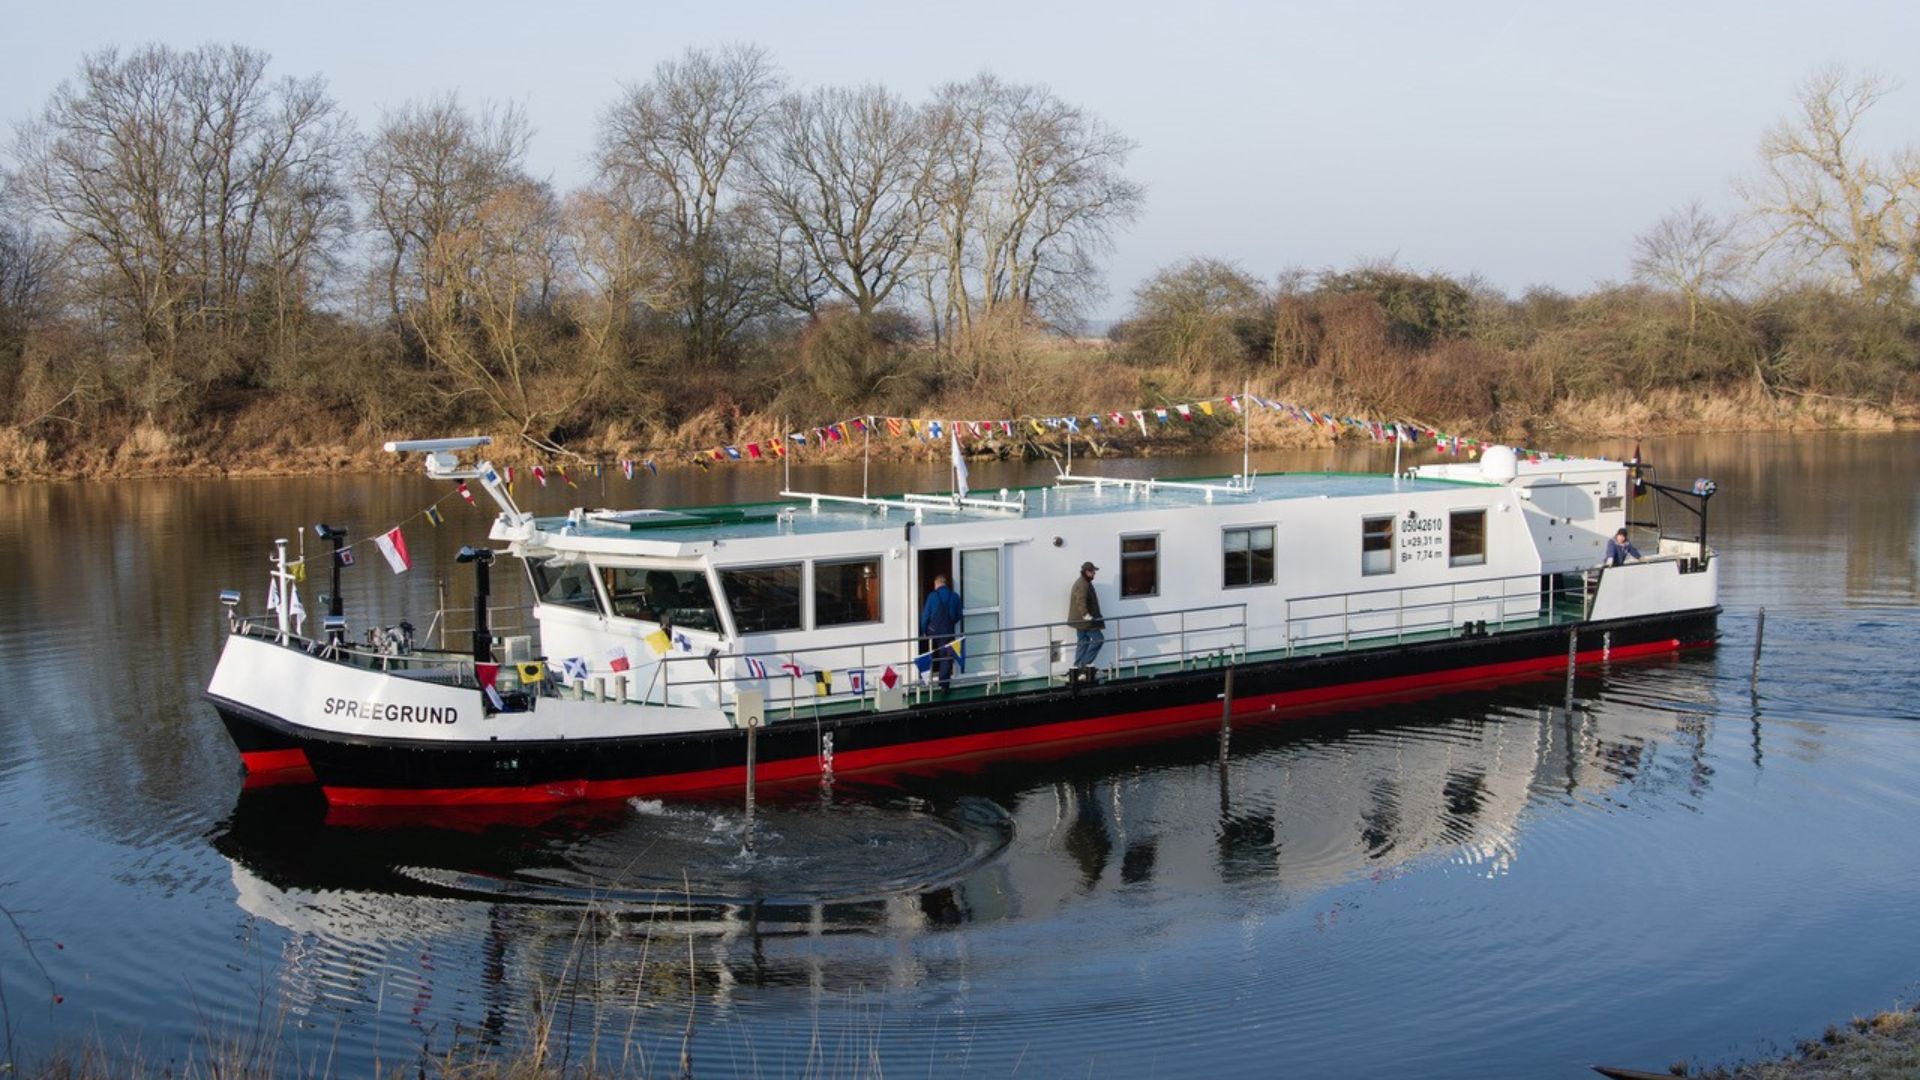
1482	883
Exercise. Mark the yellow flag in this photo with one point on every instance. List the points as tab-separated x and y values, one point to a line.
823	682
299	571
659	642
1207	407
1038	427
533	671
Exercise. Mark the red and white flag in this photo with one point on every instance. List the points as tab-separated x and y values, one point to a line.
889	677
394	547
466	492
540	474
617	658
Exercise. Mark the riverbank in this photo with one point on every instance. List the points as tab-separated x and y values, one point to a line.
269	439
1885	1046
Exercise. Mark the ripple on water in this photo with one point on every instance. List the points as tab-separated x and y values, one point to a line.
800	854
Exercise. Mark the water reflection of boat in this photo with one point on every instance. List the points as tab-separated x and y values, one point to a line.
1304	806
692	643
1294	811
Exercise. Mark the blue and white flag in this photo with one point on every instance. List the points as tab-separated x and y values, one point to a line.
756	669
574	668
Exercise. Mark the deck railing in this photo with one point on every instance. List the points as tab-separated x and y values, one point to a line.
1209	635
1375	616
433	665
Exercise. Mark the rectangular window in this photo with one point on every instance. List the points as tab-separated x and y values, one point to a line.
763	598
1246	556
1139	566
668	596
567	586
846	591
1376	545
1467	538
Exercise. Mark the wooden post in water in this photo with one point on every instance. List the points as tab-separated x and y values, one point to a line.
1226	715
1759	636
749	709
753	753
1573	660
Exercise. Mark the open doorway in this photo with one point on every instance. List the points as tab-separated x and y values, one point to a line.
933	563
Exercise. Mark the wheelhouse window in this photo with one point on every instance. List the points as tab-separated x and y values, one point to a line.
1139	566
567	586
1246	556
763	598
1376	545
846	591
669	596
1467	538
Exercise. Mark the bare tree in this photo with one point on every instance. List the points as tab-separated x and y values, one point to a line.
843	176
1028	190
487	316
163	170
1690	252
1826	203
682	137
427	171
1198	314
624	272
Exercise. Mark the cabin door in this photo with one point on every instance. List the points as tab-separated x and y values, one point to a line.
979	583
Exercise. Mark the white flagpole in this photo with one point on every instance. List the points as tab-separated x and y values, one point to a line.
1246	439
866	457
280	581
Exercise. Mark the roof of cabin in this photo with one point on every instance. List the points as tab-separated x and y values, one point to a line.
694	524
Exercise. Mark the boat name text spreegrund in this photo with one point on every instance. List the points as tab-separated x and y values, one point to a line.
386	710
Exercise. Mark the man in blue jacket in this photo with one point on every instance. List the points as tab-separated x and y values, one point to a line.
1619	550
940	622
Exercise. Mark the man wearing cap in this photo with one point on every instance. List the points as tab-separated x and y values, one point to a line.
1083	614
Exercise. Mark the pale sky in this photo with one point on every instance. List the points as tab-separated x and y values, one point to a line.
1525	142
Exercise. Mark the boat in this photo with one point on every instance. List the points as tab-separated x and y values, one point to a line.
706	649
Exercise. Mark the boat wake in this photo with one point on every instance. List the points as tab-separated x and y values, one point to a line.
793	855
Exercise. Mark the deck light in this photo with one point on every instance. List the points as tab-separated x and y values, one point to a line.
474	554
230	597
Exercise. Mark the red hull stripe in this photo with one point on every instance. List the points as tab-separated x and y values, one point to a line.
267	768
852	761
269	761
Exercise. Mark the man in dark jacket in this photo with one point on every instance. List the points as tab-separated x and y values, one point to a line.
1083	614
939	623
1619	550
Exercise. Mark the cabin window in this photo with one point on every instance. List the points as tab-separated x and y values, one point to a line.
763	598
1139	566
1467	538
1376	545
566	586
1246	556
846	591
664	595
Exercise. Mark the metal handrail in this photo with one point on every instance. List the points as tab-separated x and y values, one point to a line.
905	651
356	655
1541	598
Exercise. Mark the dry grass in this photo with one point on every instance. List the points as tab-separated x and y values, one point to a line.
1885	1046
1042	376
